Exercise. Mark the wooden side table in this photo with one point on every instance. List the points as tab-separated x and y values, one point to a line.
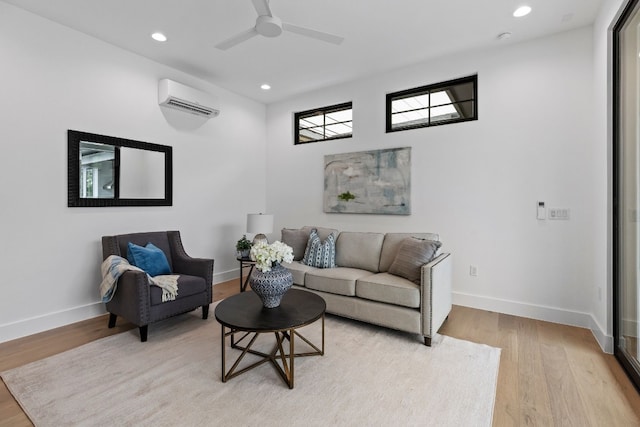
244	263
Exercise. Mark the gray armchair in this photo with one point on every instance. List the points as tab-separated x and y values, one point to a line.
140	303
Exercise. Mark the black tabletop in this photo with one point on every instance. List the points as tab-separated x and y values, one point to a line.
245	311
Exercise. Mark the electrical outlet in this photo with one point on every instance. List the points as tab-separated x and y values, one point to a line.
473	270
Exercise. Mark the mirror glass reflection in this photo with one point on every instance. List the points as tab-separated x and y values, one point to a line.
141	174
97	170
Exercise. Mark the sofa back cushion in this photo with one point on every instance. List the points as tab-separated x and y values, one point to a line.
297	239
359	250
392	243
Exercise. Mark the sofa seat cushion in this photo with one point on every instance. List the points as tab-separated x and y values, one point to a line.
339	280
387	288
187	285
298	271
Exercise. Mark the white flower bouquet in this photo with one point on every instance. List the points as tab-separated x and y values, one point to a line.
268	256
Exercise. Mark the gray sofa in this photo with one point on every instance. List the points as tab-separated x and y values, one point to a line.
361	287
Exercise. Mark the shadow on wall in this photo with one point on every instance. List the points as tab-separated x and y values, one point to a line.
183	121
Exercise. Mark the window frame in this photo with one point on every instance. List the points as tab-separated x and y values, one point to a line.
390	97
321	111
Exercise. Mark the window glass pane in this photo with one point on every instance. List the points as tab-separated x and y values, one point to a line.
410	103
339	129
312	121
432	105
440	98
311	134
415	117
339	116
456	112
325	123
444	112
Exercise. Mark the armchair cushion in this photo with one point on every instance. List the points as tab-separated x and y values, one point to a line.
150	258
187	285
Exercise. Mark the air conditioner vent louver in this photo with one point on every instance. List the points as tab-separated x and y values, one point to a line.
184	98
196	109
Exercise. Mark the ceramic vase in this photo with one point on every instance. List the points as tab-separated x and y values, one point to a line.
272	285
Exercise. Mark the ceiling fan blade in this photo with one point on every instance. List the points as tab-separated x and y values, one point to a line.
262	7
237	39
308	32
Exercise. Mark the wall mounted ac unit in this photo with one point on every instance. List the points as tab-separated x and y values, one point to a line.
175	95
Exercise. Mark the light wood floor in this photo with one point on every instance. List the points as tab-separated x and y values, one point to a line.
550	375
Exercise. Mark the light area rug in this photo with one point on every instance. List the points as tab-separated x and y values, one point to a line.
368	376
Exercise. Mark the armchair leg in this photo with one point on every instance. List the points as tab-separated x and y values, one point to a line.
427	341
112	320
205	312
143	333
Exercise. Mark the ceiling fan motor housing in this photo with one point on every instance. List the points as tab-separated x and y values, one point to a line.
269	26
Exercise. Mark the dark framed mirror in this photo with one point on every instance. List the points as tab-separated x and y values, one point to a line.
110	171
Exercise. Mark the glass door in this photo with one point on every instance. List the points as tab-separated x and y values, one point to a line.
626	192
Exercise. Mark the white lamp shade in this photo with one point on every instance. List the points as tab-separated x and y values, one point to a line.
259	223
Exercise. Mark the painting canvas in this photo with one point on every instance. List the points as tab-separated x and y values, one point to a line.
368	182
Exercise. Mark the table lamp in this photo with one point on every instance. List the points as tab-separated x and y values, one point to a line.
259	224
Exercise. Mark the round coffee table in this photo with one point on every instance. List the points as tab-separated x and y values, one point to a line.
244	313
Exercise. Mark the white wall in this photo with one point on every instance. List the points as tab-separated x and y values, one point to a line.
54	79
477	183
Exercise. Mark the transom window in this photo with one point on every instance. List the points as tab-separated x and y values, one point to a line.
325	123
441	103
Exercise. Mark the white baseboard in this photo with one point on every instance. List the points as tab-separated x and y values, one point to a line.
45	322
538	312
33	325
605	341
225	276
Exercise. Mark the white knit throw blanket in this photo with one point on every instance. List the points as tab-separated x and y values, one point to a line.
114	266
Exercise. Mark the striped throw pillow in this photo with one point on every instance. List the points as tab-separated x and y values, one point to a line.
320	254
412	255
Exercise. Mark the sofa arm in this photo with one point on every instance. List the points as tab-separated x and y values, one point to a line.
131	299
435	293
185	264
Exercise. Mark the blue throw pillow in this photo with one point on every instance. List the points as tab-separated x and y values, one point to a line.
151	259
318	253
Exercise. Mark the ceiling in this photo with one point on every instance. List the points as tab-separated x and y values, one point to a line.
379	35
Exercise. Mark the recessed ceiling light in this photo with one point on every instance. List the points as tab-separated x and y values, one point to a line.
522	11
159	37
265	86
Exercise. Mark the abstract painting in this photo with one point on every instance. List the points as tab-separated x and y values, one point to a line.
368	182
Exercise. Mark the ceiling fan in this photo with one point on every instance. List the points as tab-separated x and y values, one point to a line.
268	25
